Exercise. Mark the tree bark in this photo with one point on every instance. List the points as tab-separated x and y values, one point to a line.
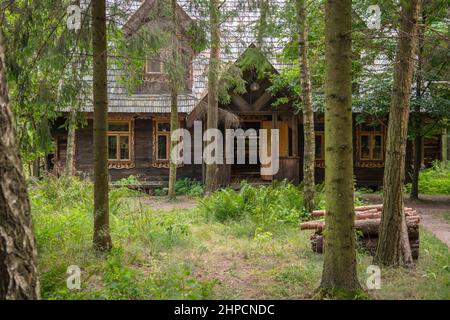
339	276
308	112
70	153
102	239
174	104
417	121
211	183
18	255
393	244
445	146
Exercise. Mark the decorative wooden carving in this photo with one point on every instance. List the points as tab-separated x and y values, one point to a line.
320	163
121	165
362	163
370	164
156	163
127	164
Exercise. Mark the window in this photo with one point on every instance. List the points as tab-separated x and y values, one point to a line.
320	146
119	137
162	140
371	143
154	66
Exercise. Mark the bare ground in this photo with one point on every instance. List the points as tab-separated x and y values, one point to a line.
162	203
430	208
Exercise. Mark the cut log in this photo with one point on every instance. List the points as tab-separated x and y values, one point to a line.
369	225
365	208
312	225
367	244
366	216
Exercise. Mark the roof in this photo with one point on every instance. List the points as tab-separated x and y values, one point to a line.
238	33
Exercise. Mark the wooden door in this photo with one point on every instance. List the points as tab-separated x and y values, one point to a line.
283	150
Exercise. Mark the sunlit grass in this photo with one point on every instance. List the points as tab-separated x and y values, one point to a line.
182	254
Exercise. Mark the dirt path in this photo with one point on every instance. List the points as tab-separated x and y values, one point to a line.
430	208
163	204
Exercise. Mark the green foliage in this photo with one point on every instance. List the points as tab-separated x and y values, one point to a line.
435	180
265	207
177	255
62	215
40	54
183	187
131	180
189	187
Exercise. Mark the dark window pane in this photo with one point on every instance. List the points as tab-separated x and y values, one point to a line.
162	147
378	147
112	147
370	127
319	147
119	126
124	148
164	127
154	65
365	149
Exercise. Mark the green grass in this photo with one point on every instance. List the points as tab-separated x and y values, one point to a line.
185	254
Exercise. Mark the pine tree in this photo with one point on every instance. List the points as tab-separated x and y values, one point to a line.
213	89
308	112
174	101
102	238
393	244
18	255
339	269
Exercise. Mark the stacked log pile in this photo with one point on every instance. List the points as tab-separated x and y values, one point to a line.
368	219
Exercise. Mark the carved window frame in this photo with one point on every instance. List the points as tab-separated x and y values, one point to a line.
122	163
156	162
148	63
320	162
370	162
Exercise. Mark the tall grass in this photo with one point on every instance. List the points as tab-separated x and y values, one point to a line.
63	218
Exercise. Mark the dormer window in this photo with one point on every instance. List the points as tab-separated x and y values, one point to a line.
154	66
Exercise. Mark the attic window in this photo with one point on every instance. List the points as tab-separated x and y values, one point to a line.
154	66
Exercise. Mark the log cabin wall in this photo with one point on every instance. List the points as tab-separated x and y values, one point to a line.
143	155
143	167
367	173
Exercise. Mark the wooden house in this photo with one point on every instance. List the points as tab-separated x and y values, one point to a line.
139	126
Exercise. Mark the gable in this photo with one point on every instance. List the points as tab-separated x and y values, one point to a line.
152	12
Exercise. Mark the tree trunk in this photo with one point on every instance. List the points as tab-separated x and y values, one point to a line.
36	167
70	153
308	112
213	90
339	270
18	255
393	244
174	104
417	121
445	146
414	195
102	238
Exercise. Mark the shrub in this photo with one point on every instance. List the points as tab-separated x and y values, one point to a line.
189	187
265	207
131	180
183	187
435	180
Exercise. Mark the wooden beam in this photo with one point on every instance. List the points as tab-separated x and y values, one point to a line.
274	120
262	101
241	103
295	136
